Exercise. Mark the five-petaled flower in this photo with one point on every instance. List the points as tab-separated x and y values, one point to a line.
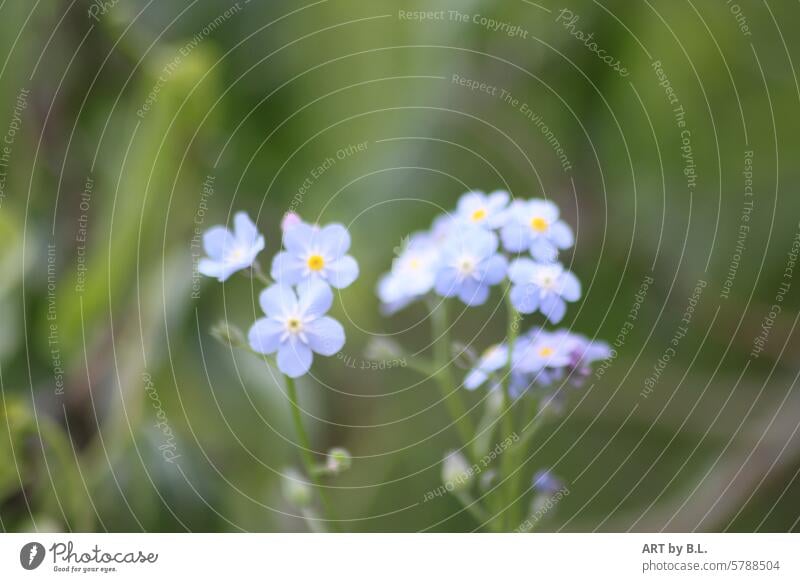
487	211
296	326
315	253
533	225
228	251
470	265
542	286
413	273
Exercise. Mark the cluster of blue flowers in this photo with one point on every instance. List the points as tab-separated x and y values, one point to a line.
488	239
314	259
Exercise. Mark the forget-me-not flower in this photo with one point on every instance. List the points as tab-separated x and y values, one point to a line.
228	251
470	265
314	253
494	358
413	273
542	286
534	225
479	209
296	327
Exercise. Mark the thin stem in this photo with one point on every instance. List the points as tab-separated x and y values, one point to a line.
259	274
305	451
444	376
508	420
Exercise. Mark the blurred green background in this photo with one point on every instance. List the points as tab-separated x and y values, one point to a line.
118	115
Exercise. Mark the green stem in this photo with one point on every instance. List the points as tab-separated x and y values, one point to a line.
517	453
444	376
259	274
305	452
507	464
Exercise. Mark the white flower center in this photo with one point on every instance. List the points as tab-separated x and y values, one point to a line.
465	265
293	326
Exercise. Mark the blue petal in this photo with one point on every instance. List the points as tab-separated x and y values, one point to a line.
342	272
479	241
561	235
516	237
265	335
333	239
278	300
316	298
525	298
473	293
553	308
543	250
546	209
294	359
447	282
521	271
287	268
299	237
570	286
217	269
498	199
244	229
475	378
495	269
325	336
217	240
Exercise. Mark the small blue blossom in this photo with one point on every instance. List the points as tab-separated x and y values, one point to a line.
543	350
296	326
494	358
413	273
228	251
534	226
542	287
547	483
470	265
486	211
313	253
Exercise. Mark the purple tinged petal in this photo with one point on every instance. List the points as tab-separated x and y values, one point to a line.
325	336
333	239
277	300
342	272
265	335
473	293
495	270
553	308
294	359
287	268
447	282
570	286
299	237
217	240
525	298
316	298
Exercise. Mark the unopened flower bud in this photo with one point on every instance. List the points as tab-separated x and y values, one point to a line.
456	472
339	460
290	219
296	490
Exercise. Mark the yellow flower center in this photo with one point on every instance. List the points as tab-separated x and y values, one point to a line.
294	325
414	264
478	215
539	224
316	262
546	351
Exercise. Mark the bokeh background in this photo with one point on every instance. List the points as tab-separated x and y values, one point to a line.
130	124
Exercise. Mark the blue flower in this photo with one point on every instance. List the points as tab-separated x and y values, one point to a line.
469	265
542	287
533	225
296	326
230	252
478	209
546	482
413	273
313	253
494	358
